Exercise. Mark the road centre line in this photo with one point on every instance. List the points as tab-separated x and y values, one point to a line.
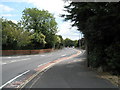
26	56
14	57
15	61
42	55
63	55
11	57
4	63
36	55
14	79
39	55
20	60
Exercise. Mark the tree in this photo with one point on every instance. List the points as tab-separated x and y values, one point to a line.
58	41
40	21
99	22
68	42
13	37
61	44
38	41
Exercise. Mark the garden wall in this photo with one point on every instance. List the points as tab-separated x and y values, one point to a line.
24	52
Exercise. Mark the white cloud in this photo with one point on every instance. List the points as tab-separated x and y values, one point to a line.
5	8
53	6
56	7
7	15
15	21
67	31
12	0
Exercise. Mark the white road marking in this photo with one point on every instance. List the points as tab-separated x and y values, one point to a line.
63	55
14	57
26	56
36	55
14	79
42	55
43	64
24	59
15	61
4	63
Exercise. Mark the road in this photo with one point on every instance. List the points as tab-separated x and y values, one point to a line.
13	66
71	73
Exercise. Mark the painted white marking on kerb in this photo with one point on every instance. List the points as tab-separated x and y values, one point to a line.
14	79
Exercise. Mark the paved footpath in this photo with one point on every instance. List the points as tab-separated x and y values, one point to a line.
71	73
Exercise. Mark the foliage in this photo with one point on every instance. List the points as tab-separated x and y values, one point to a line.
68	42
13	37
40	21
38	40
61	41
113	57
99	22
36	30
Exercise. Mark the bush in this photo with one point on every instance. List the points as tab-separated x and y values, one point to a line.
113	58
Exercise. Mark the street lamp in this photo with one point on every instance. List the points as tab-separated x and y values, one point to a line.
79	40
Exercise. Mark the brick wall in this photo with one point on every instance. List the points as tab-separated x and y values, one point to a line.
24	52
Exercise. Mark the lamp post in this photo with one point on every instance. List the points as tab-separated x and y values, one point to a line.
79	40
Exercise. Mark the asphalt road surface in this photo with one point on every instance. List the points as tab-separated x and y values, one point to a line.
71	73
14	66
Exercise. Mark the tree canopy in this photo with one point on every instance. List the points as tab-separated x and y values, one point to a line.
36	30
99	22
40	22
13	37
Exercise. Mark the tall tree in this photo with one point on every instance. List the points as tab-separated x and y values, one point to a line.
99	22
68	42
39	21
13	37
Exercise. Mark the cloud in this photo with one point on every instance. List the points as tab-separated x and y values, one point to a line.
15	21
5	8
57	7
67	31
7	15
53	6
12	0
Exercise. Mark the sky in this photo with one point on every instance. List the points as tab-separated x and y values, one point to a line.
12	10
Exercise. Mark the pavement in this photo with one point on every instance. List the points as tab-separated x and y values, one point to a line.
70	73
